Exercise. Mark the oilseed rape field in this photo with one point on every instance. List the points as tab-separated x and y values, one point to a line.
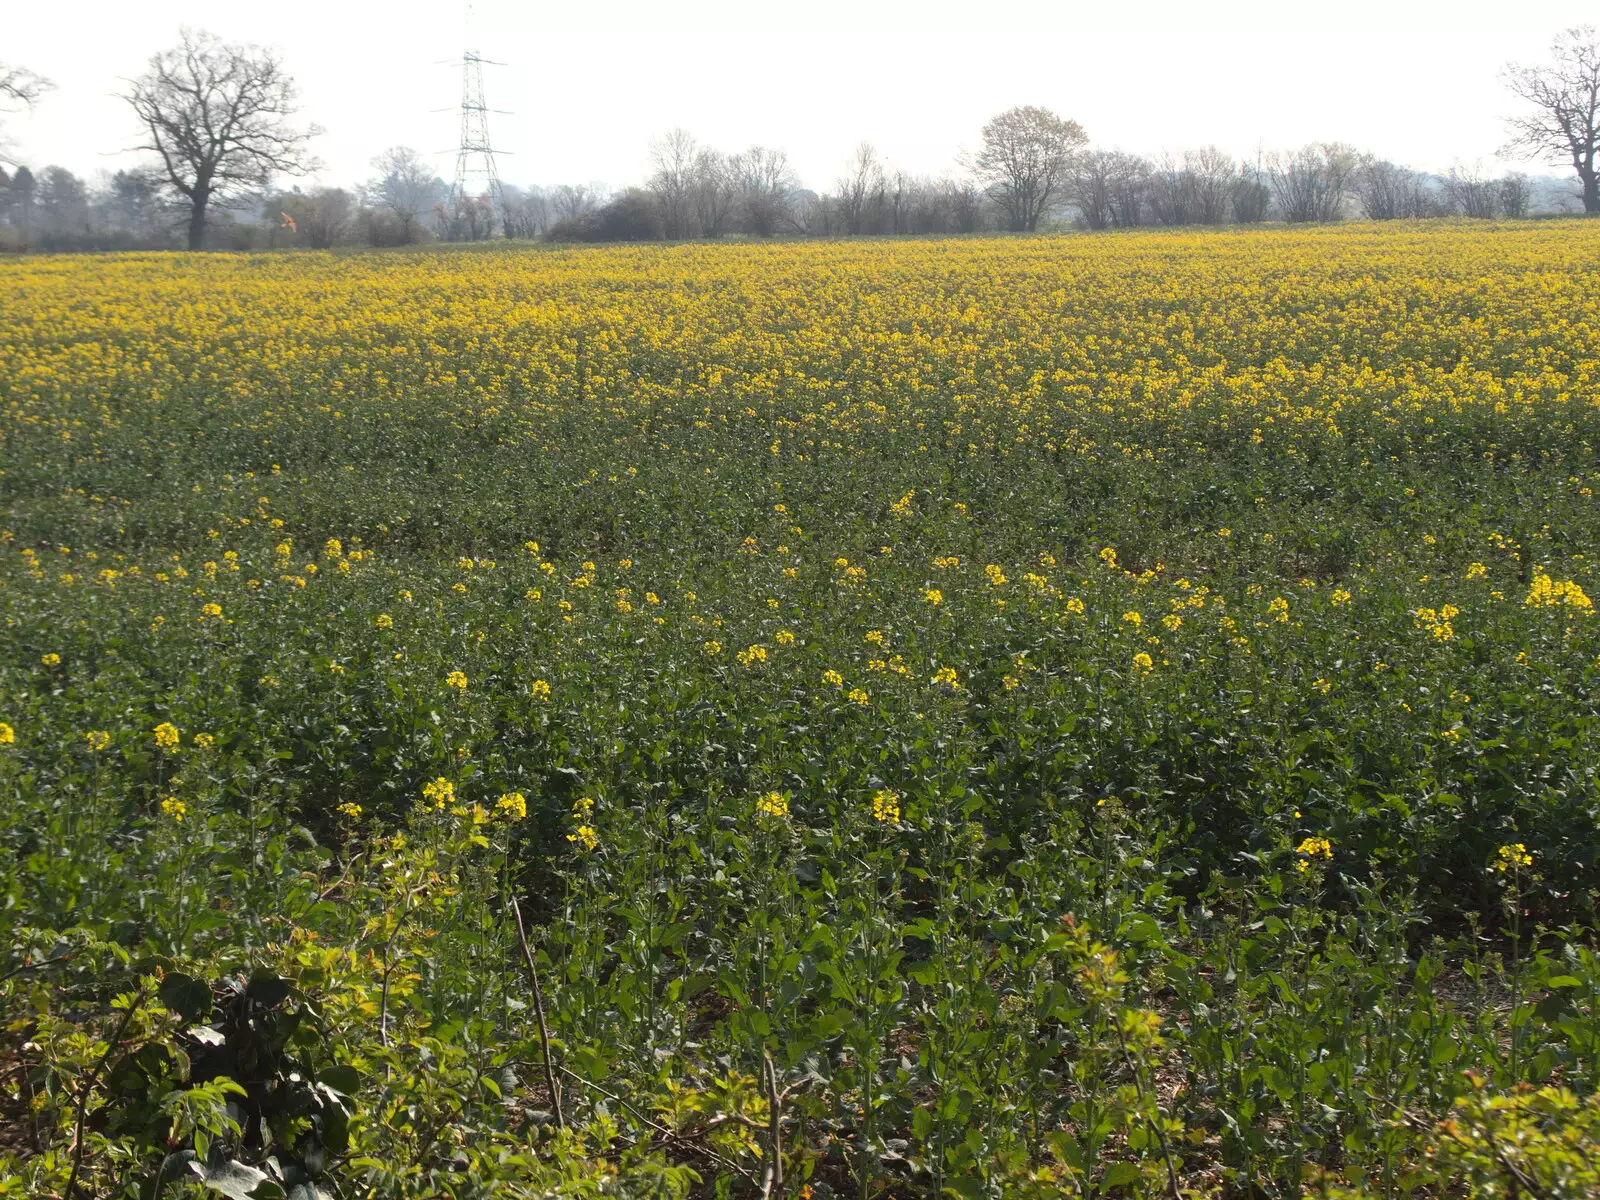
1001	717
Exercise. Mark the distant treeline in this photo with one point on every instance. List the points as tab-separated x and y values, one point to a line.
697	192
221	126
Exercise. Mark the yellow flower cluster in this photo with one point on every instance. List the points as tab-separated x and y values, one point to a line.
1310	850
772	804
1511	857
1438	622
1544	592
584	837
511	806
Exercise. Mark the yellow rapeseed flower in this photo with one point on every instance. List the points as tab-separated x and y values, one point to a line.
1512	856
772	804
1312	849
511	806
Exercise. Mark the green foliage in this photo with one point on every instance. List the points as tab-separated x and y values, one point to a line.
1539	1142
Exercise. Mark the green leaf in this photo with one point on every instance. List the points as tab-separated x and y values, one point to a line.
235	1179
267	988
345	1080
1122	1175
185	995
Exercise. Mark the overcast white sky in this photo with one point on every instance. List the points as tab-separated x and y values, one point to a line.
588	86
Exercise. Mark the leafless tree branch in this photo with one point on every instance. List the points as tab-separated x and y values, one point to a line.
220	119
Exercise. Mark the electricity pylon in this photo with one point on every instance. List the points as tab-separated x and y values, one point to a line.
476	187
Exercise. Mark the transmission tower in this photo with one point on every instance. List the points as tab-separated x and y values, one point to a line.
477	181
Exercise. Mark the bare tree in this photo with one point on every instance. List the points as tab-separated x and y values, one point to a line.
675	155
324	216
19	88
1211	180
1469	193
1310	183
1109	188
1130	190
1026	162
764	183
1172	198
1516	195
861	190
716	188
1388	192
527	211
569	201
965	204
1565	98
1092	181
219	116
1251	197
407	188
